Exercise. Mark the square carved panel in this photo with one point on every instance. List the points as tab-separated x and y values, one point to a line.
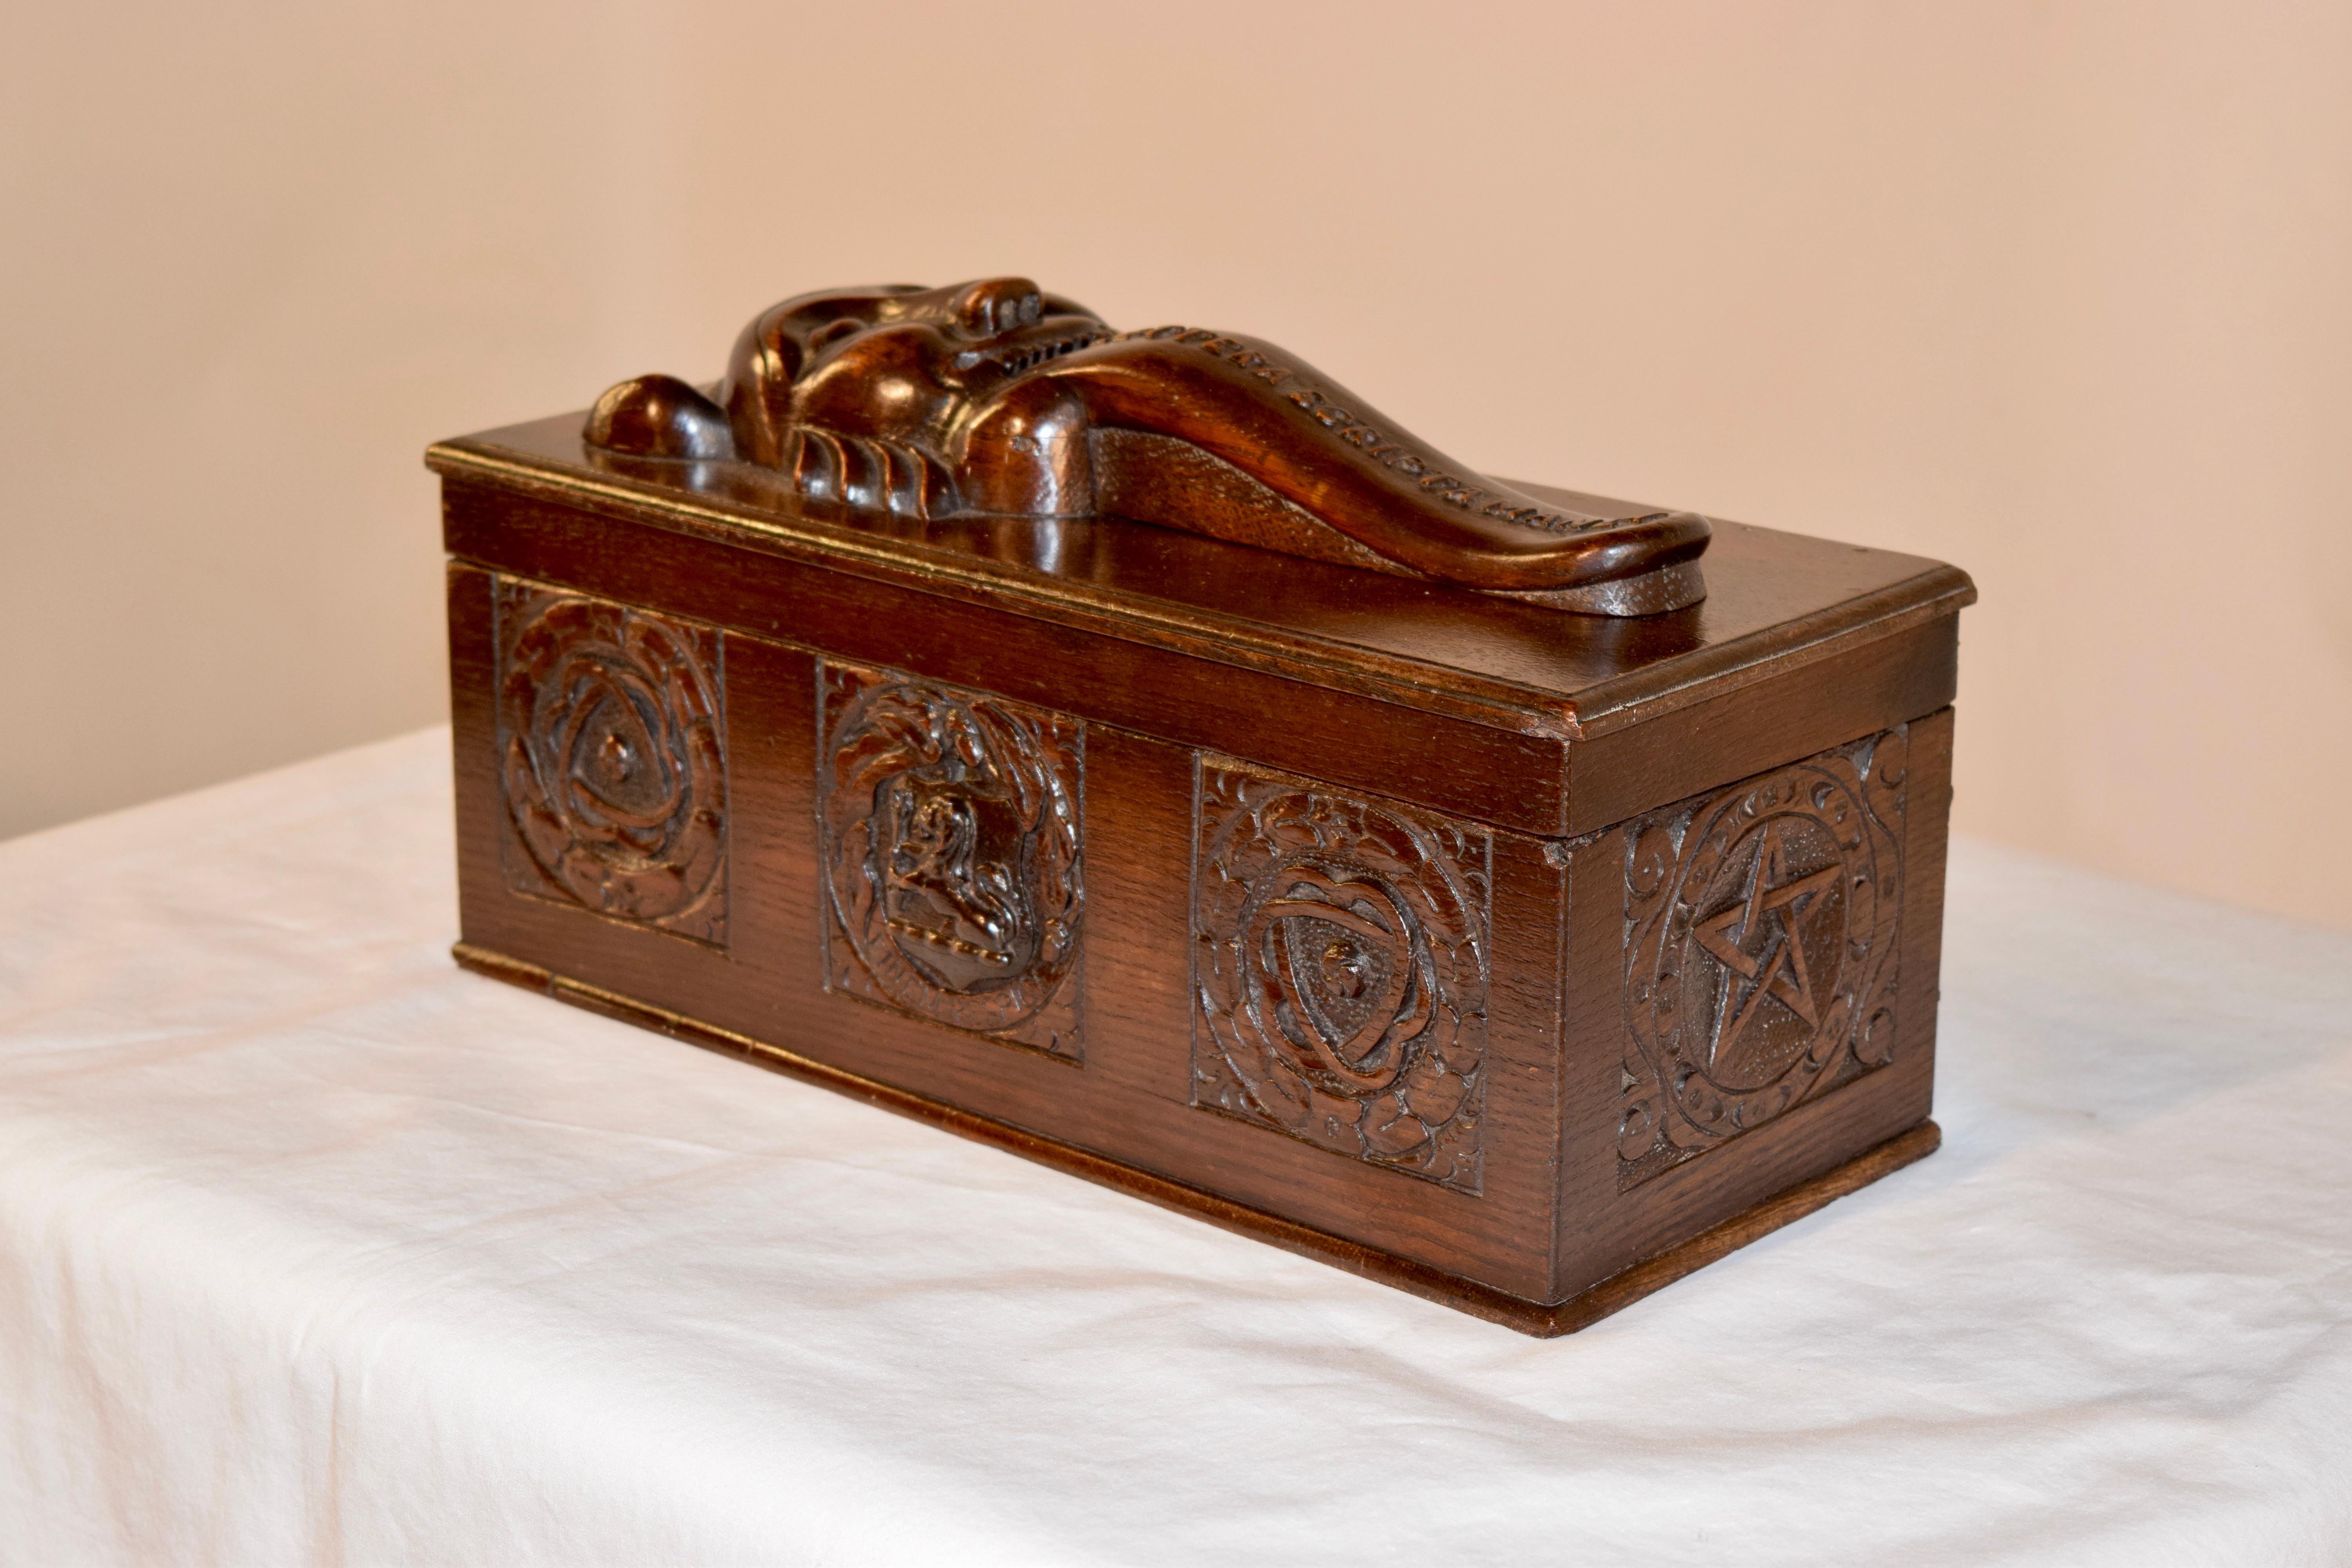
612	759
1762	927
1340	966
950	825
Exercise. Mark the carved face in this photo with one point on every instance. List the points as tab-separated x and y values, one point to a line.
951	864
904	366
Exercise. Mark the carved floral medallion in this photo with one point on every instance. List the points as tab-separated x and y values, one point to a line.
950	828
613	760
1762	924
1339	970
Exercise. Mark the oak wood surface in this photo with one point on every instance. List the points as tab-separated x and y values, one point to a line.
1132	1095
1500	773
994	398
1543	1320
1493	773
1774	597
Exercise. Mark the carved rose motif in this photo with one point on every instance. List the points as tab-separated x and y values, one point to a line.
951	854
1339	971
1761	962
613	769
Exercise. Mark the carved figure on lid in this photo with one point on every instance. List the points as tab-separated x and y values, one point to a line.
994	398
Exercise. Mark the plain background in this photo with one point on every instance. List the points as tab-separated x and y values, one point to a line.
2060	292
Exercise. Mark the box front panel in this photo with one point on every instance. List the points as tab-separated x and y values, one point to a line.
1324	730
998	902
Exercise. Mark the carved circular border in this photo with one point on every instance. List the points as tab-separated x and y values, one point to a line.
1854	813
1294	855
894	728
579	674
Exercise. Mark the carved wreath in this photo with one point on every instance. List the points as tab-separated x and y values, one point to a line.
951	824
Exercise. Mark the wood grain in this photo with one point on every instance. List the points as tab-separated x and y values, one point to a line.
993	398
1253	872
1542	1320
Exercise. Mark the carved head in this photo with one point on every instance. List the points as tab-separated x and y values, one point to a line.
954	877
903	364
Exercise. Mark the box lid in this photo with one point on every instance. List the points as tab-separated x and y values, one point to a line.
1775	600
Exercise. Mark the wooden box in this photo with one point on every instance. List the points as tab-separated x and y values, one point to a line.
1522	958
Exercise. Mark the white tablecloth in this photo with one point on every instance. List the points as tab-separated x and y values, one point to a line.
315	1249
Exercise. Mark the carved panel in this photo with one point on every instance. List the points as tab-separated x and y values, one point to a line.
1761	945
1340	963
612	759
950	828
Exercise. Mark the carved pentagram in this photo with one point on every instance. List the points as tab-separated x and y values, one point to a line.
1760	949
1760	942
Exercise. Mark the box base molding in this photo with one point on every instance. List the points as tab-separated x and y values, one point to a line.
1544	1321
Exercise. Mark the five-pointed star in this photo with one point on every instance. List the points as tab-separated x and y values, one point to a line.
1778	968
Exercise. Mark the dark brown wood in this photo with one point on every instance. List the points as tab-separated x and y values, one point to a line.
1847	1087
993	399
1496	771
1514	956
1134	1094
1780	599
1585	1308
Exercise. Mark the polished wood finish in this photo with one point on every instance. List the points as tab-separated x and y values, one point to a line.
993	399
1586	1306
1521	958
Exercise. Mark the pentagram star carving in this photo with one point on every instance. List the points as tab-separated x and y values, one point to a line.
1757	940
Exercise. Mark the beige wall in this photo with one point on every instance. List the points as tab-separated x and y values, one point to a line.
2062	293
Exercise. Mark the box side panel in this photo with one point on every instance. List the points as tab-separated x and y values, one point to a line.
793	966
1925	849
1512	780
1751	990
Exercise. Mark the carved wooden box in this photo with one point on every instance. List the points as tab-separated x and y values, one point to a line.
1505	938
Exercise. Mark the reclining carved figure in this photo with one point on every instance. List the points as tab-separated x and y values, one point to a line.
993	398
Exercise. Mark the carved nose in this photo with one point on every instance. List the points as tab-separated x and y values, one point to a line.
994	305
